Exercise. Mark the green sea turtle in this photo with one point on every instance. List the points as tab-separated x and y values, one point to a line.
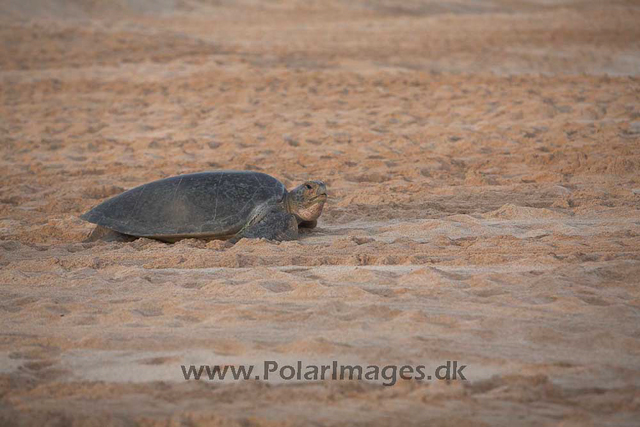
211	205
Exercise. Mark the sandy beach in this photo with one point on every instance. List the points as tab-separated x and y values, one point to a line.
481	159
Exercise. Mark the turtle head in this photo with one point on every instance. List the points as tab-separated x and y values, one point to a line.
307	200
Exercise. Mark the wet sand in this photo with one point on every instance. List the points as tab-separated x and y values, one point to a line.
484	206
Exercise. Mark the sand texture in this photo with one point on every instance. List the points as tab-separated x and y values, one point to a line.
482	160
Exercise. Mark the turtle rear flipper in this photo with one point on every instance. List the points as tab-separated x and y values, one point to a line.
106	235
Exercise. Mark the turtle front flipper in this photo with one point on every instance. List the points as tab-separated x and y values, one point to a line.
308	224
276	224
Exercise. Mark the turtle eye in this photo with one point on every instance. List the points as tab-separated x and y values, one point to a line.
308	187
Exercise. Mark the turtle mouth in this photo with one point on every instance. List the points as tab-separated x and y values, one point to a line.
322	196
